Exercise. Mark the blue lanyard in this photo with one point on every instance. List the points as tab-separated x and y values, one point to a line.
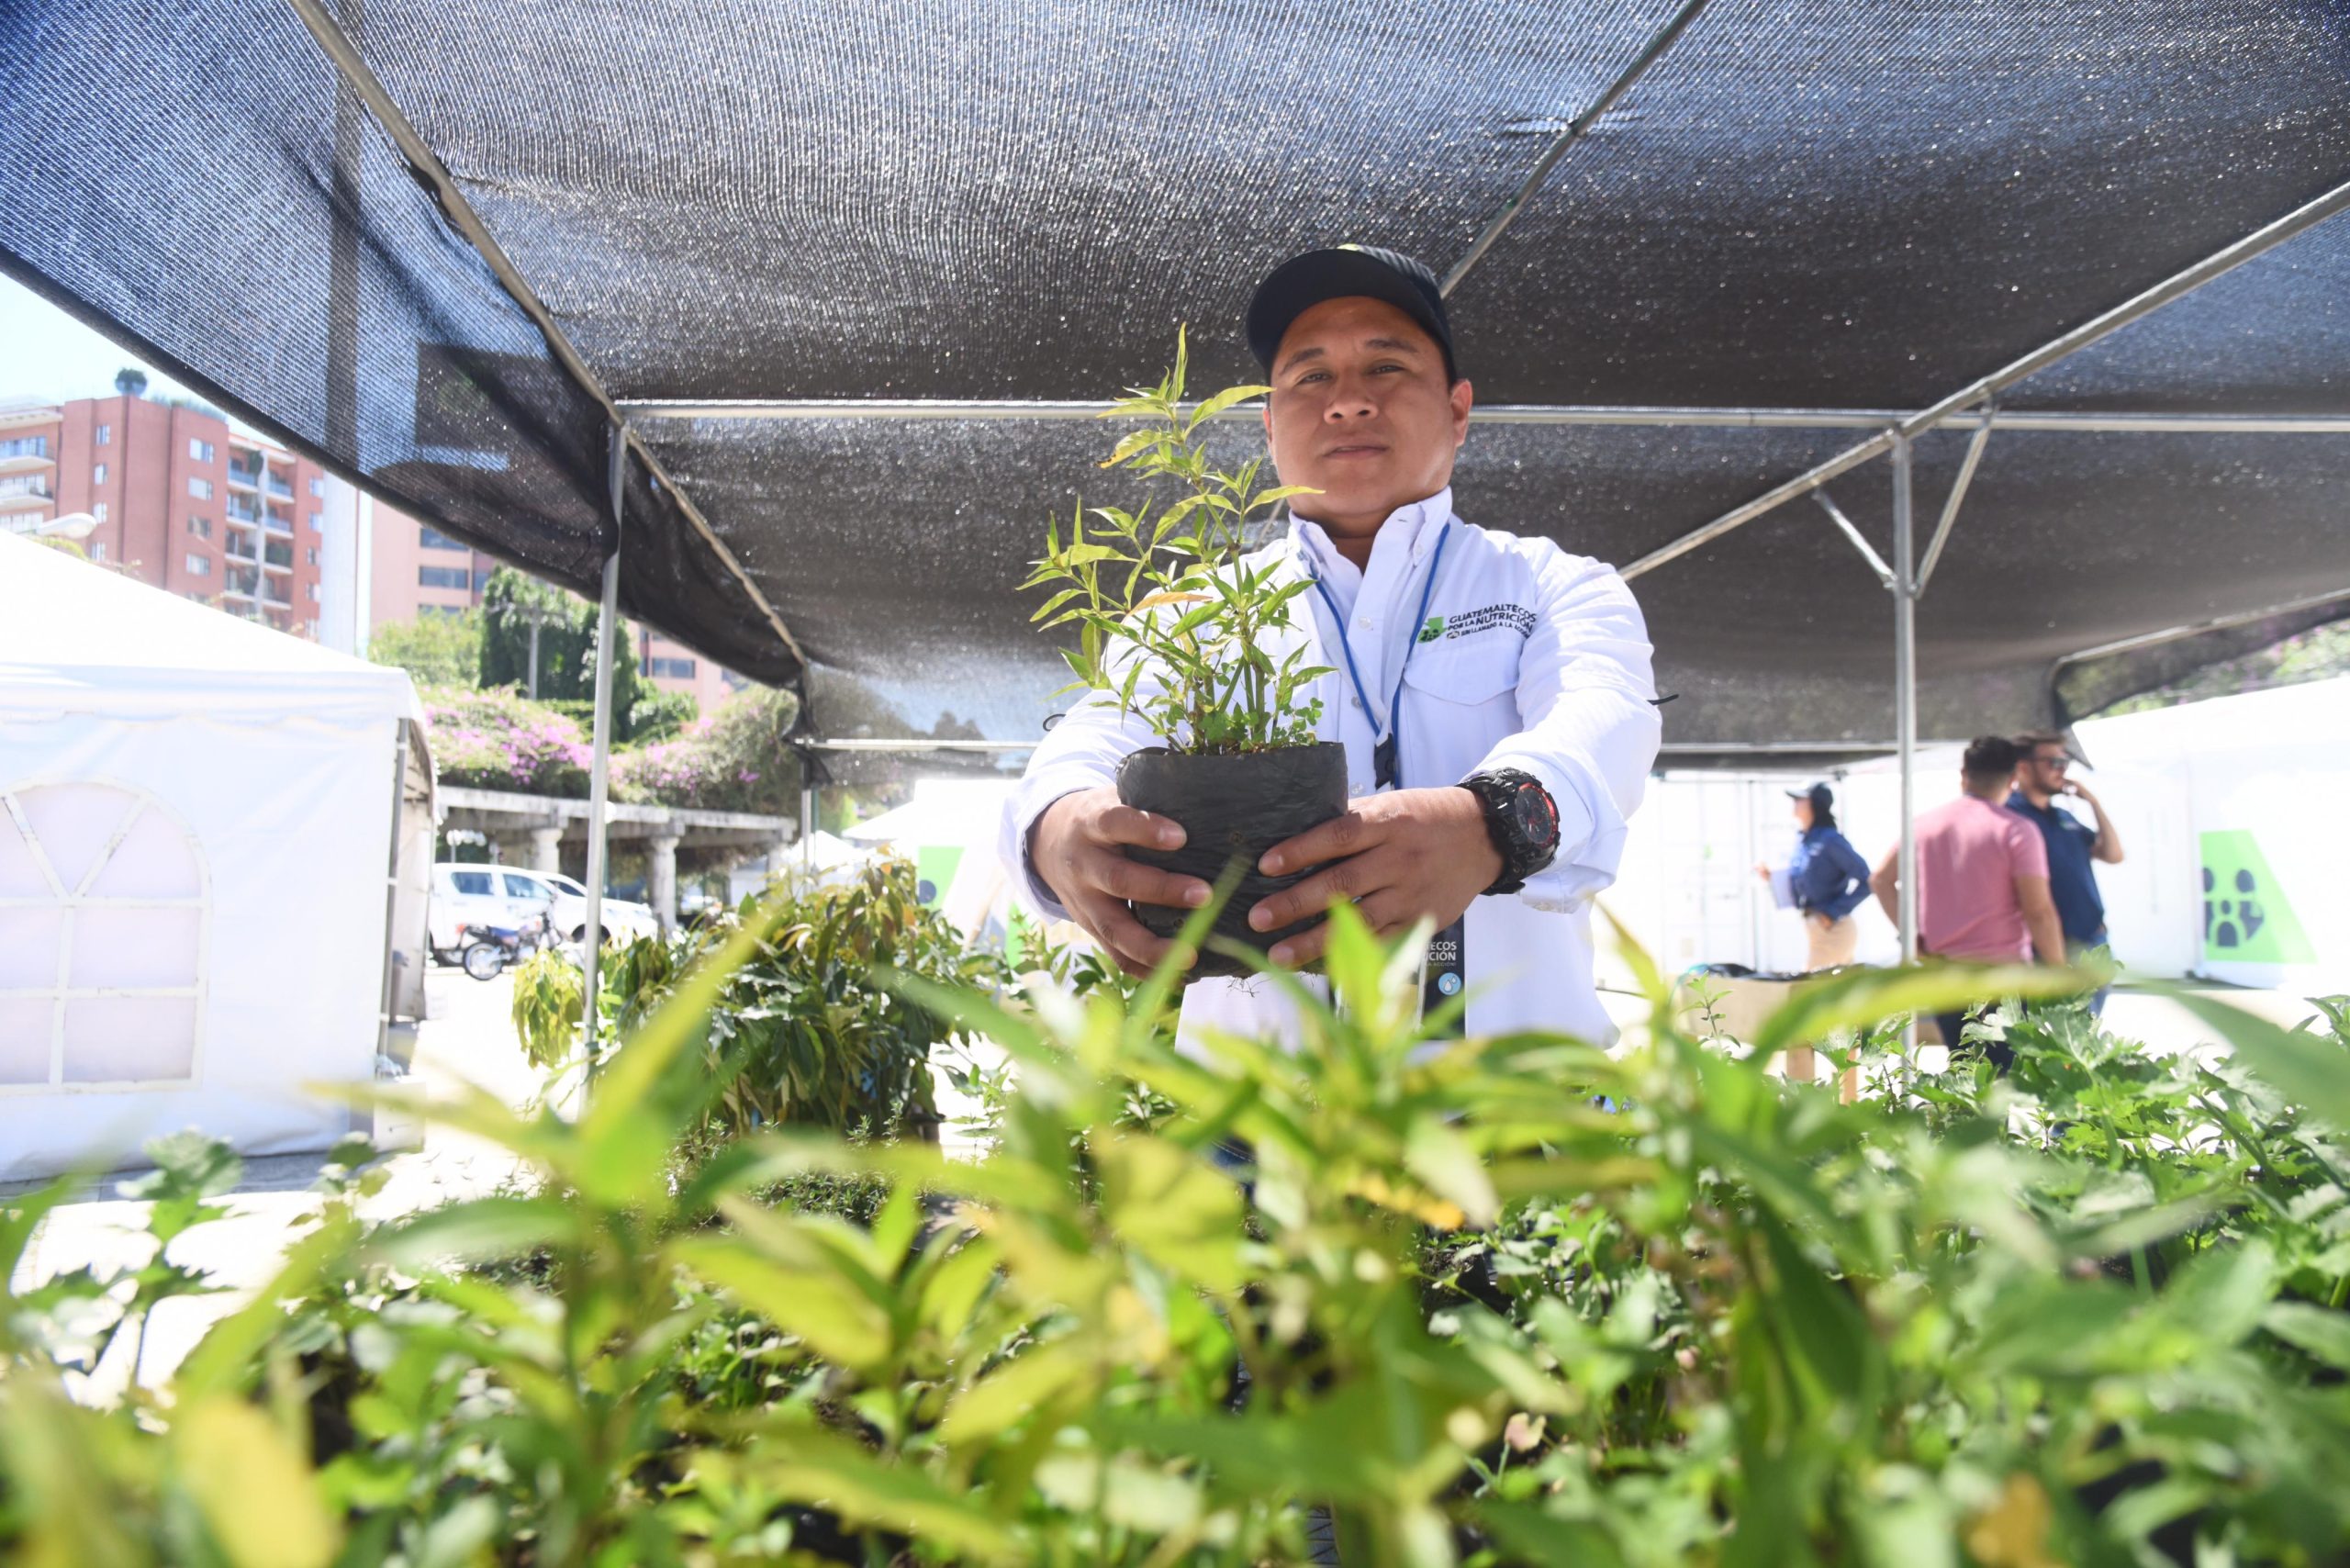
1384	751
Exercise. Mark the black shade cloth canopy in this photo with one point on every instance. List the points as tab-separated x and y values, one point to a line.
1802	205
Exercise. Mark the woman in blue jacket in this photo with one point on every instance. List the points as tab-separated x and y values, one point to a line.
1828	878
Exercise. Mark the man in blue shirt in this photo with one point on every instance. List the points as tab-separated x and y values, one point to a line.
2073	844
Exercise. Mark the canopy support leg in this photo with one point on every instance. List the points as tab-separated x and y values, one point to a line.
807	817
599	772
1905	704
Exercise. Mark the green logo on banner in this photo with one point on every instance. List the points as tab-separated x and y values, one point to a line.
934	867
2245	917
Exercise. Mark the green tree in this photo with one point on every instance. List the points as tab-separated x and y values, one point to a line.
436	650
511	603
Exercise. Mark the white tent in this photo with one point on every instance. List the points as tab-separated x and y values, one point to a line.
949	830
205	826
2255	859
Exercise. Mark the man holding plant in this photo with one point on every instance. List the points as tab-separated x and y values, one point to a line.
1493	693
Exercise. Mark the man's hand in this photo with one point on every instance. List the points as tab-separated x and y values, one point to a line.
1825	922
1074	846
1403	857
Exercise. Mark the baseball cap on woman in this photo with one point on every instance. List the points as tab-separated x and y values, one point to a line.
1344	271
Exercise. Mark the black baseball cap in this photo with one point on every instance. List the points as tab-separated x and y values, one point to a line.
1823	799
1344	271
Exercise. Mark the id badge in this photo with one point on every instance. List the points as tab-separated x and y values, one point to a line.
1444	972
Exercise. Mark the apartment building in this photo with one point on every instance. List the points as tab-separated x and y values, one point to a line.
187	504
181	500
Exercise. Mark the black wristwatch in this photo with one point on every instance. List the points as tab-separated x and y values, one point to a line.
1522	821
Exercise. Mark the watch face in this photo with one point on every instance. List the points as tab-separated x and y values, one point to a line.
1531	808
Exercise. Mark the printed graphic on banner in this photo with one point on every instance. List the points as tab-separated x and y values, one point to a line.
1445	971
2246	919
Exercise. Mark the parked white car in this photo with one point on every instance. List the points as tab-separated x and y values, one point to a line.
510	896
621	918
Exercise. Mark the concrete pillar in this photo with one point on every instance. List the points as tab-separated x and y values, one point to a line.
546	847
661	861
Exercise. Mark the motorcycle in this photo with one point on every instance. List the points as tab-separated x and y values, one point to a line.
486	950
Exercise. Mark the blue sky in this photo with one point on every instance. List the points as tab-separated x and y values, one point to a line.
47	354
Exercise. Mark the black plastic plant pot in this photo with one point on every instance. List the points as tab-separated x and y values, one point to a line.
1232	807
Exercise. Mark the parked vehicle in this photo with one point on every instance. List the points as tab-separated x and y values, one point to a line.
486	950
512	897
568	912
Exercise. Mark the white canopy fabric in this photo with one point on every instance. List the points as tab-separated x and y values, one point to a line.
83	640
944	811
197	821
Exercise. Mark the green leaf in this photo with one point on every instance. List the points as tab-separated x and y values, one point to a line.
2323	1332
1858	998
1443	1159
828	1471
1225	399
1032	1380
478	1230
2308	1069
252	1486
796	1286
1129	444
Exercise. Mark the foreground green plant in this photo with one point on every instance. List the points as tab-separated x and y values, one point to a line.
1487	1301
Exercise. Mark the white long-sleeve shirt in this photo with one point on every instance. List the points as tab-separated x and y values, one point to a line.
1528	657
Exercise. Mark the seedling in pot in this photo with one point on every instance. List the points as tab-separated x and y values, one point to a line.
1191	636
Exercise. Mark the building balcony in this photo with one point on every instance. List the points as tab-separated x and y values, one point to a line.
276	522
25	500
244	478
240	511
27	463
277	558
282	488
237	551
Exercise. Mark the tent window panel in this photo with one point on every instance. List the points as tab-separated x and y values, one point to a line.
21	876
154	860
122	946
29	940
74	824
130	1040
27	1033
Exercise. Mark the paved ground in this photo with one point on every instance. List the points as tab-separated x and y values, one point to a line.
470	1039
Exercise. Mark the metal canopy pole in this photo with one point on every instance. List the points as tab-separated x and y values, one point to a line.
1663	40
1868	552
1949	507
599	772
2144	303
1905	691
984	410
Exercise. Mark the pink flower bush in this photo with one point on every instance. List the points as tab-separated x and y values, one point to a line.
498	740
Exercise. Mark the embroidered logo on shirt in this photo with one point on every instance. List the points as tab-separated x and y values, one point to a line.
1469	624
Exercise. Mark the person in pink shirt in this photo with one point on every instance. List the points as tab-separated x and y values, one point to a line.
1982	878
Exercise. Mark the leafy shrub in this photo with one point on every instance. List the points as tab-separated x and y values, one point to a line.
435	650
734	759
1508	1301
660	715
497	740
805	1031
